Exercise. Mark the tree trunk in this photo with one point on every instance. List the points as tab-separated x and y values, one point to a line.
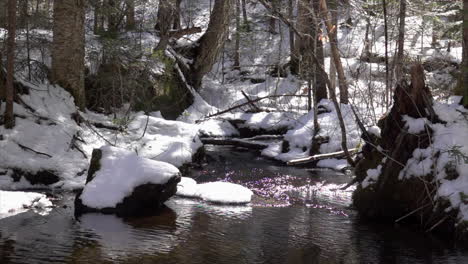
3	13
166	11
244	15
401	43
97	6
130	15
320	84
291	32
177	11
465	53
211	43
334	14
112	21
335	53
9	117
237	40
272	23
69	49
387	70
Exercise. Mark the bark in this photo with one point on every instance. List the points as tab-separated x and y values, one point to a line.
166	11
97	6
291	32
111	12
244	15
387	74
272	23
334	14
401	43
465	53
130	15
68	48
177	15
211	43
3	13
335	52
320	84
9	117
237	40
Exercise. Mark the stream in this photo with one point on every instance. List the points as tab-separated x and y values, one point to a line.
298	215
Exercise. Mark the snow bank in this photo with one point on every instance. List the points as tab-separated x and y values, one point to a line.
300	137
155	138
120	172
215	192
12	203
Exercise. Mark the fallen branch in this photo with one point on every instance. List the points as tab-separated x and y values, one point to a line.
255	107
32	150
250	102
337	154
186	31
234	142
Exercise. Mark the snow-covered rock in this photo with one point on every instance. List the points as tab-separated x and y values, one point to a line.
215	192
119	181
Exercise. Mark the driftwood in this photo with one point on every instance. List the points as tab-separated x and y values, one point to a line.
234	142
338	154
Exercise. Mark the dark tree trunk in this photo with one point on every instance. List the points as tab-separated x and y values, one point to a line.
69	49
130	15
387	70
9	117
177	15
272	23
166	11
401	43
97	6
3	13
465	53
112	21
237	40
211	43
244	15
320	84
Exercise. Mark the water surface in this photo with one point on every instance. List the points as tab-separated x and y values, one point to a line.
297	216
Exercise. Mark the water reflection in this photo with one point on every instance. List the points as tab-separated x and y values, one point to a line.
317	227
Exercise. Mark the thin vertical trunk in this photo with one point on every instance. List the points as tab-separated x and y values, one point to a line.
334	14
97	16
291	32
130	15
68	48
401	43
387	70
164	24
111	10
335	53
465	53
237	40
244	15
272	23
177	15
9	117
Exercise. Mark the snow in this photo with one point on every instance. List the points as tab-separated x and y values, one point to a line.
415	125
374	130
335	164
12	203
121	171
215	192
372	176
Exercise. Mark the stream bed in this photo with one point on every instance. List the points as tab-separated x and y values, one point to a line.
298	215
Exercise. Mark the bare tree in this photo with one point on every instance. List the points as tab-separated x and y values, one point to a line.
69	49
9	117
335	52
237	37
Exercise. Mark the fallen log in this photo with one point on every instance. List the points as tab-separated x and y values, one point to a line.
338	154
234	142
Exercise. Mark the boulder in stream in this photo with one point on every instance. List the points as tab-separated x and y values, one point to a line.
121	182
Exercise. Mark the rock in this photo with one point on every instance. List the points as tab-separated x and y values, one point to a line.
120	182
44	177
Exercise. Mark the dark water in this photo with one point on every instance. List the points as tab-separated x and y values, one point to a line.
298	216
